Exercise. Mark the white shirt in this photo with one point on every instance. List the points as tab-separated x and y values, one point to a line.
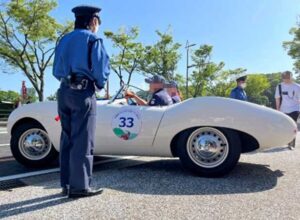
290	97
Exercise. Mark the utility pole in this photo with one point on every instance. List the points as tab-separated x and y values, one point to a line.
187	47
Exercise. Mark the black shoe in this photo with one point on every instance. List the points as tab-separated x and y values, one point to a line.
64	191
84	193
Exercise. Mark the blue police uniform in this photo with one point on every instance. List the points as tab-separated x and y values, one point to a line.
238	93
176	99
80	63
160	98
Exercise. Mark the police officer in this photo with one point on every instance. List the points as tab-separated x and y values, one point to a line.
160	97
173	91
80	63
239	91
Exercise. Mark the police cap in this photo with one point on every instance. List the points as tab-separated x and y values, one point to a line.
155	79
171	84
86	10
242	78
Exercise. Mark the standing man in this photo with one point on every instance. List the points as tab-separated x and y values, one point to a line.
239	91
80	63
173	91
160	97
287	97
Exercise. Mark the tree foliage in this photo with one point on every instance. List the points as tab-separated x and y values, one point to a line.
28	36
274	79
205	71
130	52
257	84
224	82
9	96
162	57
31	96
293	47
52	97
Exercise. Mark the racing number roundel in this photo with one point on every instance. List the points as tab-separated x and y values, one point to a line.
127	125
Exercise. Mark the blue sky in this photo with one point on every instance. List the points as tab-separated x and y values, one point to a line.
244	33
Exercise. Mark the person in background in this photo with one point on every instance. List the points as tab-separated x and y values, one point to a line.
239	91
173	91
287	98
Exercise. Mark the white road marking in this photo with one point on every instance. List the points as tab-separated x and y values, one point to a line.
3	132
4	145
7	158
54	170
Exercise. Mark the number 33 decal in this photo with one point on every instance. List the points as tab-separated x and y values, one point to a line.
126	122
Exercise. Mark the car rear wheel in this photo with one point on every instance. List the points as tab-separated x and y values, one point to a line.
31	145
209	151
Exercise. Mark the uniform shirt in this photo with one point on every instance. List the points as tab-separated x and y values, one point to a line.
160	98
238	93
290	97
72	56
176	99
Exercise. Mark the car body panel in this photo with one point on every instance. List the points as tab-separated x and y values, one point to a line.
269	127
159	125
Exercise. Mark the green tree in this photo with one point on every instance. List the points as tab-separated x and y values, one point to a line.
293	48
129	52
52	97
28	36
162	57
9	96
256	86
31	96
274	79
224	82
205	71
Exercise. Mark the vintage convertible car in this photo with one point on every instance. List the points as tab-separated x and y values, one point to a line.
208	134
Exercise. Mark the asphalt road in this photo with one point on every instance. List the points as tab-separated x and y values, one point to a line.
264	185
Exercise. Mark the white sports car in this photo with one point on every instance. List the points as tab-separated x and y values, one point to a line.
208	134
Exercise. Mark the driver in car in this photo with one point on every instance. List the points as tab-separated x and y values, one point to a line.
160	96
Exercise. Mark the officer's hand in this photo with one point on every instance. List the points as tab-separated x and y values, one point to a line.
129	94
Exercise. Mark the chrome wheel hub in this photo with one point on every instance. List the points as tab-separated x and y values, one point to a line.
34	144
207	147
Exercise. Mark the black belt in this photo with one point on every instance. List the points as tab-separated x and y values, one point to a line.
77	82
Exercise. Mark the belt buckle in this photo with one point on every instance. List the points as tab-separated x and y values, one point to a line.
82	85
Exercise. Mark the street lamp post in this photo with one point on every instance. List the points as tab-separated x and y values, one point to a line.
187	47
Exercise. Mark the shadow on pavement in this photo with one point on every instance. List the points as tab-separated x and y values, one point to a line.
21	207
161	177
167	177
277	149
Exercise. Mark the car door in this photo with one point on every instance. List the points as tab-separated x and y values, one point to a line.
127	130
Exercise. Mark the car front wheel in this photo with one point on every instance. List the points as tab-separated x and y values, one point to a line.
208	151
31	145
